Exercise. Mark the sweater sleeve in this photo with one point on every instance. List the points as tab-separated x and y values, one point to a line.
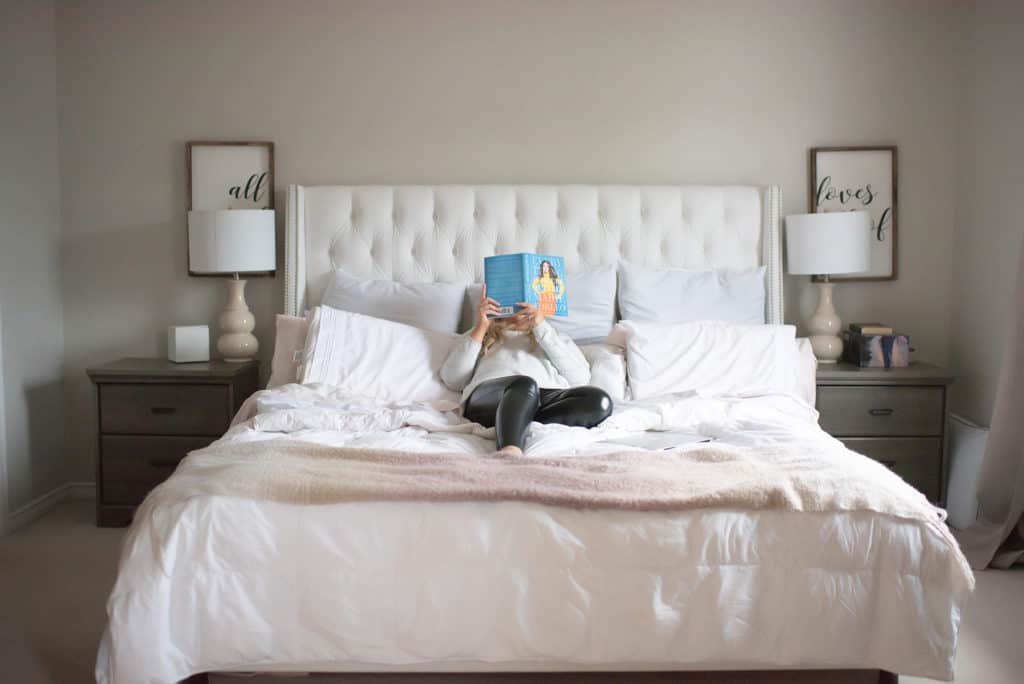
458	368
563	354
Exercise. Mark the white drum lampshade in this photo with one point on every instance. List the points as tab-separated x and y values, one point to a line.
828	243
825	244
233	241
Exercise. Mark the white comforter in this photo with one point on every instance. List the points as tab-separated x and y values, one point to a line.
220	583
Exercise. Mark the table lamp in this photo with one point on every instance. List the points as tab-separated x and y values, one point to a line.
825	244
233	241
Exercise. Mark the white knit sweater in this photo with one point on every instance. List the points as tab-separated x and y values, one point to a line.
554	362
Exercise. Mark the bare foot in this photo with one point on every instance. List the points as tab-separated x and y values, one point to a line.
511	450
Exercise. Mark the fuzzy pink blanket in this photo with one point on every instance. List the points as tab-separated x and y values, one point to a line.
712	476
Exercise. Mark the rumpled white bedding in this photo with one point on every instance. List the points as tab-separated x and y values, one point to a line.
219	583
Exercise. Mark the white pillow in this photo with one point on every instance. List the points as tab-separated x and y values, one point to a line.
289	343
375	358
710	358
607	368
677	296
591	305
433	306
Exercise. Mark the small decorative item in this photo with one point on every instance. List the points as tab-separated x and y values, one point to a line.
823	245
232	242
188	343
876	351
860	179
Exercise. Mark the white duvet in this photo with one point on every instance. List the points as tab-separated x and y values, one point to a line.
218	583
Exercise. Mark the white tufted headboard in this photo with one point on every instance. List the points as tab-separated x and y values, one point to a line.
414	233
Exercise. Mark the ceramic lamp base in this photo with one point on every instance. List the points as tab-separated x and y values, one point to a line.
236	343
824	326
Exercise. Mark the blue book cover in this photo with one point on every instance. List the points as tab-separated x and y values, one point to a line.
537	279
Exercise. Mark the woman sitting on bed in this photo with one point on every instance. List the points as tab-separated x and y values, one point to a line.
519	369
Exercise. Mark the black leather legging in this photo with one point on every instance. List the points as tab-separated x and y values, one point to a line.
510	403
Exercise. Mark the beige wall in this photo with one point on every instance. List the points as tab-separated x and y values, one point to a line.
30	290
989	220
476	91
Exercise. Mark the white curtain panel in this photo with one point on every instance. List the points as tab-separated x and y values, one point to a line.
997	537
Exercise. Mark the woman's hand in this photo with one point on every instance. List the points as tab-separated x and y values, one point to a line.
487	306
529	316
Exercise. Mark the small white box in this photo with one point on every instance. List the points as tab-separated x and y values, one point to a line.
188	343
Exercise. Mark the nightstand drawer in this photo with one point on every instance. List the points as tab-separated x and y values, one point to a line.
132	466
881	411
916	460
163	409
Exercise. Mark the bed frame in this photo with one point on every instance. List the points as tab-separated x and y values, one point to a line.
442	233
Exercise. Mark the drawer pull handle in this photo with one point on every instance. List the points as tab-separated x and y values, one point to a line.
162	410
881	412
163	462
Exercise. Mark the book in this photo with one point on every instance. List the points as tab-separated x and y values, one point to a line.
876	351
537	279
871	328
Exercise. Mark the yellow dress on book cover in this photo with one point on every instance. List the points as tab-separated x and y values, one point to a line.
549	288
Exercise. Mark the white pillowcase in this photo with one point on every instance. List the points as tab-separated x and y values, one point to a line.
591	305
678	296
711	358
607	369
374	358
433	306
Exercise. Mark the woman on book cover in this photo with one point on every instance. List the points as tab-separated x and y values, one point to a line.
515	370
549	288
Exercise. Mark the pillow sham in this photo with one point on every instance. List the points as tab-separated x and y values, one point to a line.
679	296
289	346
432	306
591	305
375	358
710	358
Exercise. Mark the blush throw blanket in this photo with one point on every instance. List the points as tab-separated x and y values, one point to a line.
780	477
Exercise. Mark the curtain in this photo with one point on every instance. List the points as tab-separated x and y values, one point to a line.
996	539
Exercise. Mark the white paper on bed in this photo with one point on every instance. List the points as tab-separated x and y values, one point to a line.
371	357
235	584
711	358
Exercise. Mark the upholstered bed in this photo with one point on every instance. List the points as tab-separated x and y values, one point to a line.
392	588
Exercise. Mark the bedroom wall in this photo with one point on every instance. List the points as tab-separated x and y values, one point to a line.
32	344
989	226
478	92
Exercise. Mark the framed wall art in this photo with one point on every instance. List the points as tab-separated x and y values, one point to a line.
229	175
860	178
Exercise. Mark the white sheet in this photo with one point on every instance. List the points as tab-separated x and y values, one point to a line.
233	584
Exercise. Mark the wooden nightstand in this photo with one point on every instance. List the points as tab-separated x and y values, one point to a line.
152	412
897	416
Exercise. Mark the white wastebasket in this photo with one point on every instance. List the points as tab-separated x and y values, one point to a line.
967	451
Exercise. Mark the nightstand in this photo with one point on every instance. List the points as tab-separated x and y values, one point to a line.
152	412
897	416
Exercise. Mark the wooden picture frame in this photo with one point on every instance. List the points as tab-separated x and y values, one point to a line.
860	177
228	174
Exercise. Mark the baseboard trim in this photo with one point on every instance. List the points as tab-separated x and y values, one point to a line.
43	504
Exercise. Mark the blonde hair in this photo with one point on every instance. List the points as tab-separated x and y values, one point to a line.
495	335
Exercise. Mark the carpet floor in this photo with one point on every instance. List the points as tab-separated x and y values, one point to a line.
56	573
